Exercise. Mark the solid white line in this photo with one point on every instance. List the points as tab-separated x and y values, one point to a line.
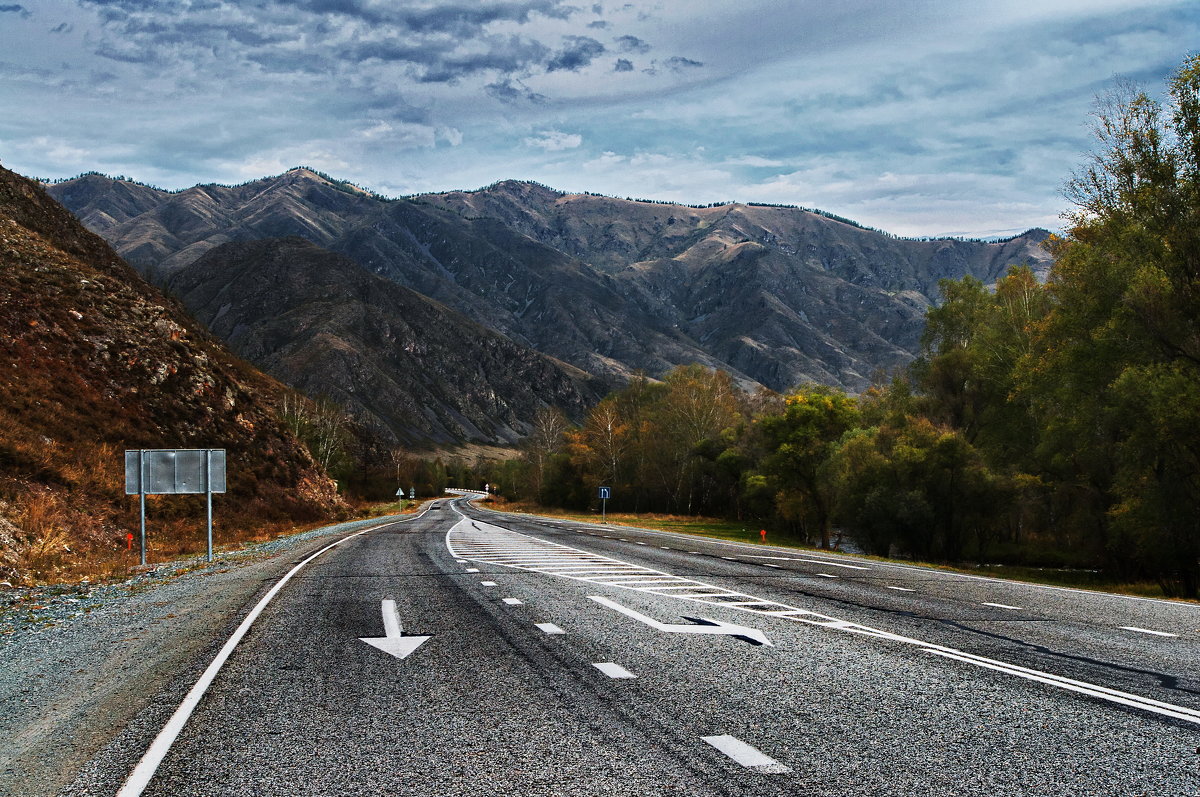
137	781
902	589
746	755
927	570
550	628
833	623
831	564
613	670
1146	630
825	575
1092	690
1002	606
513	602
768	564
487	583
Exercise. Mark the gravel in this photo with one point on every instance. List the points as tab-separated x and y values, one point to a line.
79	662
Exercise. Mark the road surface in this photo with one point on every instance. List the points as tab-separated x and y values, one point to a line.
467	652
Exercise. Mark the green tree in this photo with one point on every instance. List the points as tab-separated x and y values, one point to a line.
799	443
1116	366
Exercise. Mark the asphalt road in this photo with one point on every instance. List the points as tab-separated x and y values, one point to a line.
575	659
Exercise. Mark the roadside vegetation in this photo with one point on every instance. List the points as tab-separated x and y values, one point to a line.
1046	425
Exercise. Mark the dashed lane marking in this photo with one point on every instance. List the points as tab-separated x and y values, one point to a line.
613	670
487	583
475	542
747	756
1146	631
550	628
513	601
902	589
1002	606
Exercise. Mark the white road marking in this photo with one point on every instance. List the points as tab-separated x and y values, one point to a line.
613	670
826	562
137	781
768	564
895	565
825	575
902	589
487	583
472	569
550	628
746	755
463	540
1002	606
712	627
513	601
1146	631
1104	693
832	564
393	642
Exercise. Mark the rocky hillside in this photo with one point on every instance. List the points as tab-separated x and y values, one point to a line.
408	367
93	360
775	295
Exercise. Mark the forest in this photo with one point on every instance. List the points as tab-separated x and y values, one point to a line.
1053	423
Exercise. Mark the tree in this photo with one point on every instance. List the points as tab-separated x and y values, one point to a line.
800	443
546	440
1115	369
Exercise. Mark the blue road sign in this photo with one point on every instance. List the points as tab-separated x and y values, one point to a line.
605	493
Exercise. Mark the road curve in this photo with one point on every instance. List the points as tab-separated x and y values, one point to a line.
560	658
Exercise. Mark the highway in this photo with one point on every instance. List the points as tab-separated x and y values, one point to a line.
468	652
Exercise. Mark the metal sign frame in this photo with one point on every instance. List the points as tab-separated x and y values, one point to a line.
175	471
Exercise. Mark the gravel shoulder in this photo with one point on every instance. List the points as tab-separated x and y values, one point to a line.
79	664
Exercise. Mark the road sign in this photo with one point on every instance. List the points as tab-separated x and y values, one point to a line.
175	471
605	493
412	494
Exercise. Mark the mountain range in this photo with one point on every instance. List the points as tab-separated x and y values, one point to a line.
601	287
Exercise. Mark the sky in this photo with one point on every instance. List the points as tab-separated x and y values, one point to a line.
918	117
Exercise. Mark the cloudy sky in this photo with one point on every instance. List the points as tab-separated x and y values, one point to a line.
920	117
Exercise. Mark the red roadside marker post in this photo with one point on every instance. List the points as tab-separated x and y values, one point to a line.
763	533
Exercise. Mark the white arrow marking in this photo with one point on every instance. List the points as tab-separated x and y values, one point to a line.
703	625
393	642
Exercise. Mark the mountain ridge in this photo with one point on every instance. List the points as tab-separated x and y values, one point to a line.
775	295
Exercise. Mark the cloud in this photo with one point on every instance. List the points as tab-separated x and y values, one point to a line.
623	65
677	62
19	10
578	52
631	44
554	140
514	91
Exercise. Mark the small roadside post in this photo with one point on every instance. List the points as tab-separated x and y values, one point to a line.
175	471
605	494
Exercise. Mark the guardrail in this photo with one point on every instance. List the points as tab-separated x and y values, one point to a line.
464	491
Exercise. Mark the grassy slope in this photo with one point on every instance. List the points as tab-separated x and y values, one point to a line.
93	361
